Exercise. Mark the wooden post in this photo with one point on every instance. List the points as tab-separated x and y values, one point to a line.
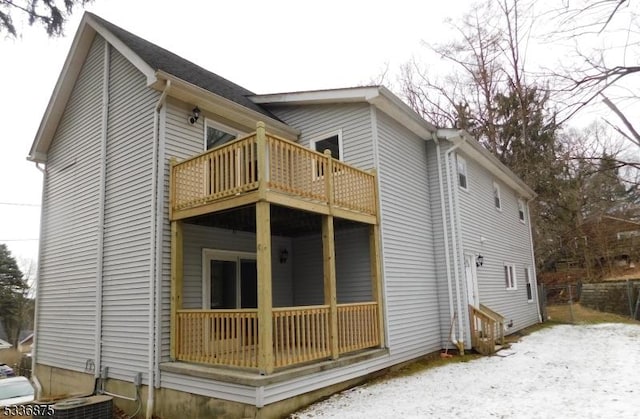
176	283
328	180
172	185
329	270
262	156
376	278
265	303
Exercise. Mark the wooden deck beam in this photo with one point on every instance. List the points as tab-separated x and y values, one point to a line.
329	275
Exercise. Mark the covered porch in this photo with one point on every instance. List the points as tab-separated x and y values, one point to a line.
264	276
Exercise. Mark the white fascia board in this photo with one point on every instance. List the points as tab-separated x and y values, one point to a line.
224	107
123	49
62	91
311	97
486	159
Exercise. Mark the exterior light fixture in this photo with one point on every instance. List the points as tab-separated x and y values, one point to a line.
284	255
195	114
479	260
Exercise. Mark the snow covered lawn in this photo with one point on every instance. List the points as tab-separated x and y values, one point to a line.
586	371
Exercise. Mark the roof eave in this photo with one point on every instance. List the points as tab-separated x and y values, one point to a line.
190	93
378	96
486	159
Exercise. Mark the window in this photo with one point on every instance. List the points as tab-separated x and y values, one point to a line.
521	210
332	142
496	196
462	172
527	277
510	276
216	134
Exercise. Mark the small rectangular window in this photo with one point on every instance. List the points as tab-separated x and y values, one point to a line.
496	196
216	134
331	142
510	276
462	172
527	277
521	210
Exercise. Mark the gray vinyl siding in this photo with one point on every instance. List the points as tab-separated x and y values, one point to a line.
197	238
407	243
182	140
127	233
353	268
315	121
209	388
507	240
67	277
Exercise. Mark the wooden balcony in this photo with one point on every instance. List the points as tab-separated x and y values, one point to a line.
300	334
265	167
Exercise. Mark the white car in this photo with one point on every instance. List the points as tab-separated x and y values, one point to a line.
15	390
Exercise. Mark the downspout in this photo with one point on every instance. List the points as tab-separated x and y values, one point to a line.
101	203
454	242
447	256
152	247
533	261
34	347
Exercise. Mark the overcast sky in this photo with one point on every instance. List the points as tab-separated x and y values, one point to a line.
265	46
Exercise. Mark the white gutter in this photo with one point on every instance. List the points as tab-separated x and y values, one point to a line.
447	256
454	239
533	262
101	204
34	346
154	252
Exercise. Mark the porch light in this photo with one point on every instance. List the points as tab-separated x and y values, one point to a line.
479	260
195	114
284	255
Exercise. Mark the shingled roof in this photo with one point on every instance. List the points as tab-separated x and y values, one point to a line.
161	59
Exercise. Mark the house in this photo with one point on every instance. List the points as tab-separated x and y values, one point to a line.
5	345
26	342
243	255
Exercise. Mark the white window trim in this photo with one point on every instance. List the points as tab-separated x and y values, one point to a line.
219	126
324	136
523	220
496	187
227	255
459	160
528	281
513	277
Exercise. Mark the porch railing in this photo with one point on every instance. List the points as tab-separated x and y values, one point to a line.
300	334
487	329
218	337
232	169
357	326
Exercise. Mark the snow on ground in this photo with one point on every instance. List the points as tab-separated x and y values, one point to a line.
586	371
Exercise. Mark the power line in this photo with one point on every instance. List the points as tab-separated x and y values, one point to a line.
19	204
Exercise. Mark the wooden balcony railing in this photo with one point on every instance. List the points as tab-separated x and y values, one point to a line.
232	170
357	326
487	329
300	334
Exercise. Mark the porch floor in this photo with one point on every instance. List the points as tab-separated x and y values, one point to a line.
251	377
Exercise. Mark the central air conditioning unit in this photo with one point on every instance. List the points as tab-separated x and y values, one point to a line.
93	407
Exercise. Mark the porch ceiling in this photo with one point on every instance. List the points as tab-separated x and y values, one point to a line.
285	221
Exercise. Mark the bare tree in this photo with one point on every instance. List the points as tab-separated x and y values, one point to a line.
51	14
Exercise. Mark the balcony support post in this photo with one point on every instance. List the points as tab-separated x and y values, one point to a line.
375	257
263	160
265	302
176	284
329	270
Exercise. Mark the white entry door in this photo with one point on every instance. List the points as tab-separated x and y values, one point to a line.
471	277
